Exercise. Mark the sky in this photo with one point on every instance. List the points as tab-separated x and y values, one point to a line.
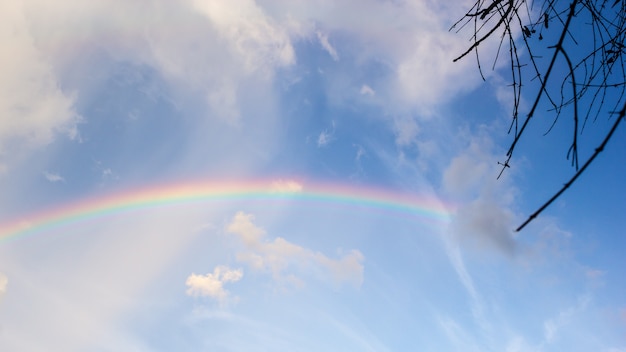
268	175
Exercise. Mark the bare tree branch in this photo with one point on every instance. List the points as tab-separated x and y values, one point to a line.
591	40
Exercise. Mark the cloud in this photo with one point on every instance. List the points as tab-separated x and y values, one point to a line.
323	38
253	35
486	223
223	100
212	284
324	138
468	170
484	217
367	90
456	259
4	281
286	186
406	131
53	177
464	174
360	152
283	259
33	107
552	326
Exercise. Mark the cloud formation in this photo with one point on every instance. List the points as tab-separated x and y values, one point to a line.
323	38
286	186
367	90
252	34
3	284
324	138
286	261
484	219
486	223
53	177
33	107
212	284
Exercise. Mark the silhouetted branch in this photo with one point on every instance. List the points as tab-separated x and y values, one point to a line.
595	71
598	150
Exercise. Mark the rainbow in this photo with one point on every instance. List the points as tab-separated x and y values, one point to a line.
422	208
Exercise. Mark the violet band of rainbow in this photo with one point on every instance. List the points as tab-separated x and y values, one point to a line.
422	208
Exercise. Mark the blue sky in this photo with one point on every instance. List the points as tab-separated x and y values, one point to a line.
99	99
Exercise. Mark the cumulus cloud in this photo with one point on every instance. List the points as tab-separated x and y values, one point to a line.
285	260
220	50
212	284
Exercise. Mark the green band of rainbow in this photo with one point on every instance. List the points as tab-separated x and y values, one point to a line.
423	208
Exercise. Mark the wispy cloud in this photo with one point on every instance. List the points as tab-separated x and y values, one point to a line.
286	186
53	177
552	326
323	38
476	300
324	138
407	130
286	261
360	152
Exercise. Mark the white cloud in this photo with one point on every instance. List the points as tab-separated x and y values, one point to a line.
426	75
324	138
360	152
284	259
454	254
33	107
367	90
323	38
406	131
4	282
465	174
78	304
286	186
212	284
253	35
53	177
223	101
